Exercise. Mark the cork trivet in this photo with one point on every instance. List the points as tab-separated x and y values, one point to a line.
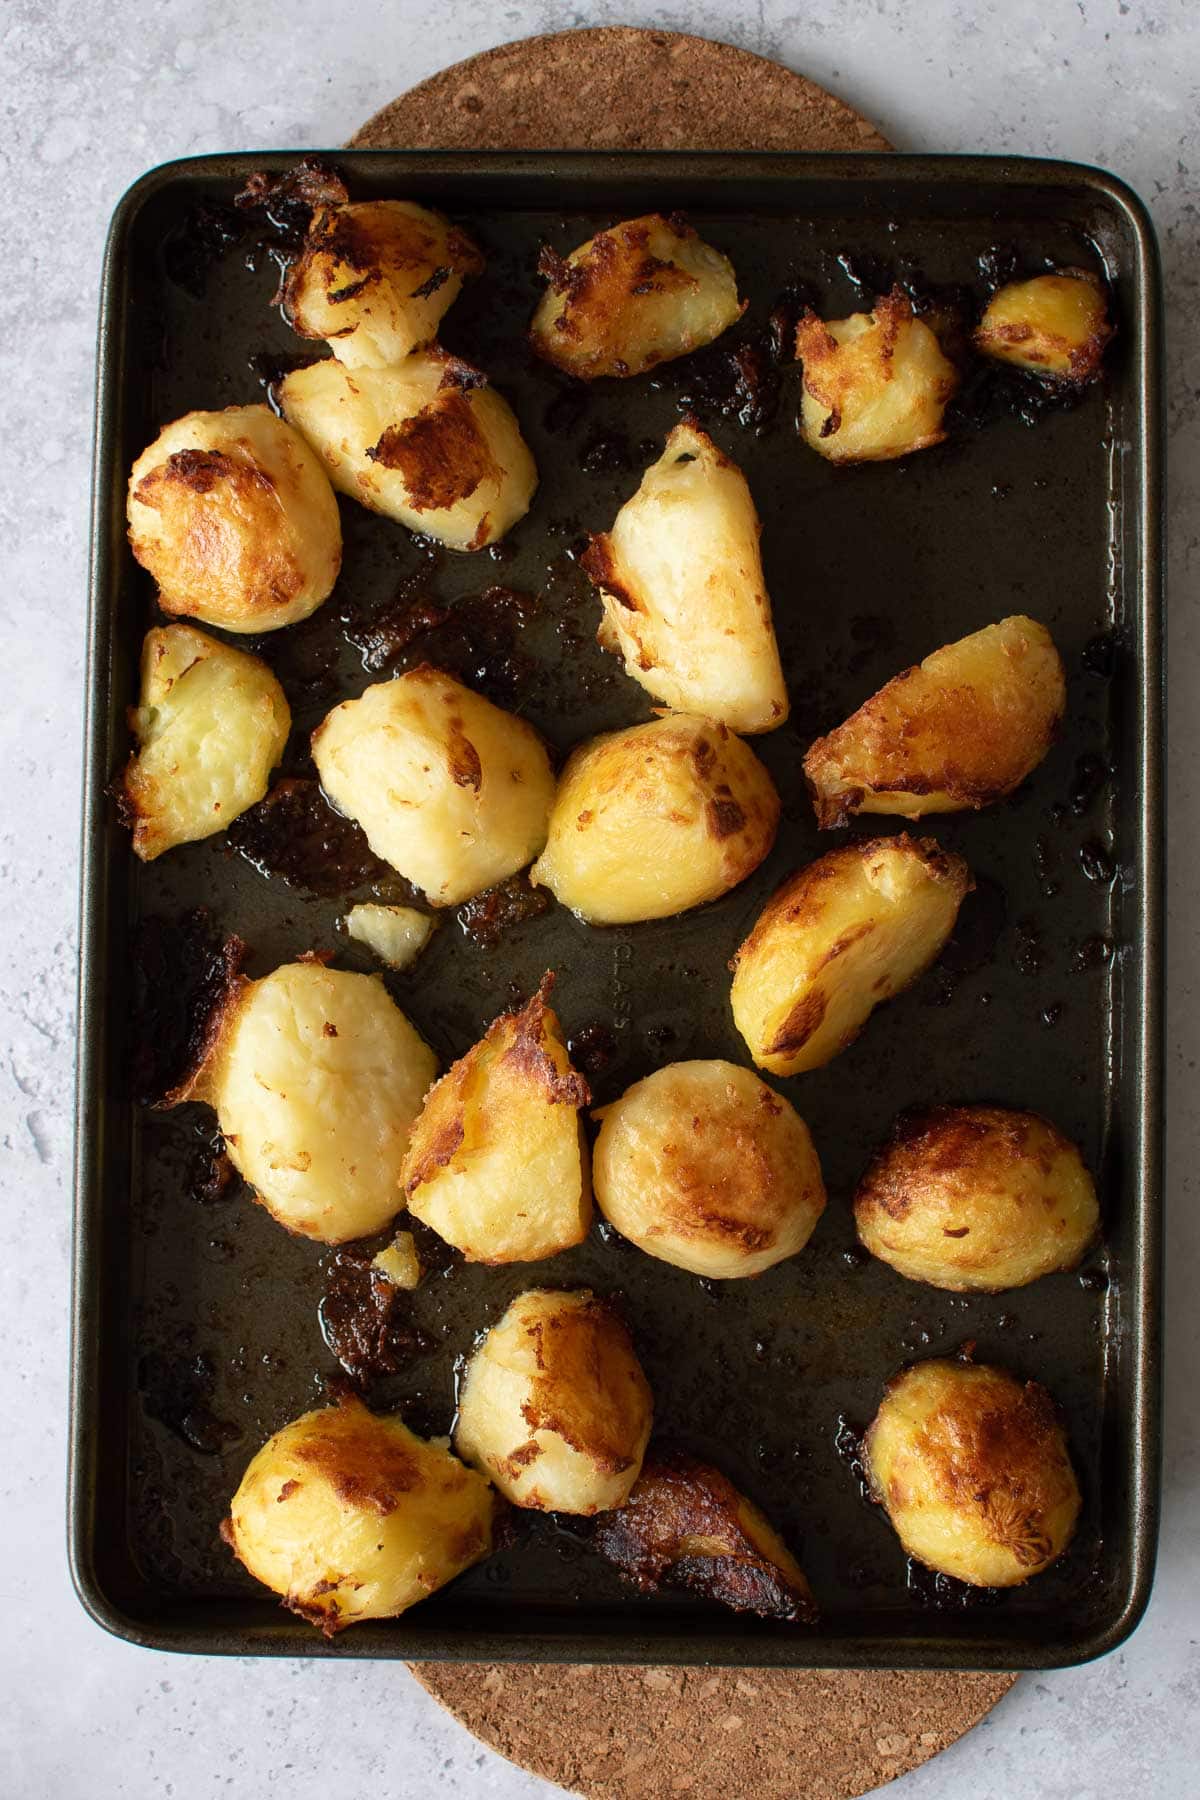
650	1734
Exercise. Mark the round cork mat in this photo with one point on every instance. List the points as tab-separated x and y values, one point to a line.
648	1734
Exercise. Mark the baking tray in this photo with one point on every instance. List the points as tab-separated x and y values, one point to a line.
196	1319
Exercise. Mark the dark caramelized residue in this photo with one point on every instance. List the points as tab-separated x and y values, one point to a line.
476	639
178	1392
489	916
212	1176
742	381
592	1048
365	1320
182	972
295	833
272	213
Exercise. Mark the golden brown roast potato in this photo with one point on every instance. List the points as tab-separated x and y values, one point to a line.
497	1163
686	1524
962	729
650	821
703	1166
395	934
553	1405
971	1466
838	937
681	580
875	384
977	1197
348	1516
1054	325
452	791
235	519
209	727
375	278
638	294
428	444
316	1076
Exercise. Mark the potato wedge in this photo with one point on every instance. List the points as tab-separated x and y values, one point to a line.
395	934
875	384
961	730
1056	326
837	938
681	581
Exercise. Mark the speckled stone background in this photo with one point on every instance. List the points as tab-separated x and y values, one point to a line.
92	96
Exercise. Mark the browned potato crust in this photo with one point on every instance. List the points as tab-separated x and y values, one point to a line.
875	384
1056	326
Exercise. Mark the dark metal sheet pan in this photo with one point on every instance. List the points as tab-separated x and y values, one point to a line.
196	1330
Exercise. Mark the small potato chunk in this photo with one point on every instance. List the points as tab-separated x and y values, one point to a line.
348	1516
316	1076
686	1524
395	934
656	819
635	295
428	444
497	1162
398	1262
210	726
681	580
375	278
875	384
450	790
1055	325
553	1405
235	519
972	1469
962	729
703	1166
850	930
977	1198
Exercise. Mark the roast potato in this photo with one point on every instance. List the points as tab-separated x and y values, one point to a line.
497	1163
681	581
553	1405
638	294
686	1524
972	1469
209	727
848	931
428	444
316	1076
655	819
395	934
398	1261
962	729
875	384
348	1516
1055	325
375	278
235	519
977	1197
703	1166
450	790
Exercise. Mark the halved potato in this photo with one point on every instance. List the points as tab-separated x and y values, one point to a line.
396	934
875	384
235	519
977	1198
962	729
681	580
653	820
348	1516
1054	325
452	791
553	1405
635	295
428	444
971	1466
848	931
210	726
497	1163
375	278
703	1166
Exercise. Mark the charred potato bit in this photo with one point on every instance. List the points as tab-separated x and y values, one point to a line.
962	729
348	1516
553	1405
972	1469
656	819
395	934
977	1198
681	580
497	1162
837	938
235	519
638	294
210	726
1056	326
875	384
703	1166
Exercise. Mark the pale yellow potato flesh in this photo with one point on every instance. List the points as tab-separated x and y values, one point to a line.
1054	325
395	934
875	384
398	1261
